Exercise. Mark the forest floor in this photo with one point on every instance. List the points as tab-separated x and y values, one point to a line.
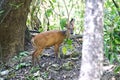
51	68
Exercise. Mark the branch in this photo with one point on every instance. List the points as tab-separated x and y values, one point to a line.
68	12
53	8
71	7
116	5
66	9
46	17
76	36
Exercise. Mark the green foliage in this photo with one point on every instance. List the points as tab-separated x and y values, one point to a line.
53	12
49	12
51	27
111	33
67	46
117	69
45	74
68	66
63	22
21	65
69	41
35	74
34	69
40	29
54	1
30	77
19	59
20	56
24	53
64	50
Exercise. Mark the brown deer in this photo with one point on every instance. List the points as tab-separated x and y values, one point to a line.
50	38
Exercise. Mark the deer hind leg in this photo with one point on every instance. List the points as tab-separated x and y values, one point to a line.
35	56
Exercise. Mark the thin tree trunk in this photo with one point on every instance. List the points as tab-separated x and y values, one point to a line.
92	51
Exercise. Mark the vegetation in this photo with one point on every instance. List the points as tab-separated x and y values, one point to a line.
47	15
52	14
112	32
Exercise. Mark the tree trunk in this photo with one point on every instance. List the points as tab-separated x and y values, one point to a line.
28	38
12	27
92	51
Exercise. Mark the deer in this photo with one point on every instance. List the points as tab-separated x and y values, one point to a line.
50	38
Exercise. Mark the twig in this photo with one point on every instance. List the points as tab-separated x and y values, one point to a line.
116	5
53	8
75	36
66	9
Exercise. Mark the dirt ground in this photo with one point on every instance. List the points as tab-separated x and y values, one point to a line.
51	68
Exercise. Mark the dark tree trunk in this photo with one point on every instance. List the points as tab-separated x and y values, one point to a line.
12	27
28	38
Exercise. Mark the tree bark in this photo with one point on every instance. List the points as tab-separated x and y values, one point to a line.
92	51
12	27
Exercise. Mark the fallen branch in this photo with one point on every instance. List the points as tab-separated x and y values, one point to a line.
75	36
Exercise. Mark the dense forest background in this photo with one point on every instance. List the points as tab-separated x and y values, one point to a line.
54	13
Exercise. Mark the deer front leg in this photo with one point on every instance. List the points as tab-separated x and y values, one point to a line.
56	47
35	56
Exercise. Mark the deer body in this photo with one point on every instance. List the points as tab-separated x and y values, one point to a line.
48	39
